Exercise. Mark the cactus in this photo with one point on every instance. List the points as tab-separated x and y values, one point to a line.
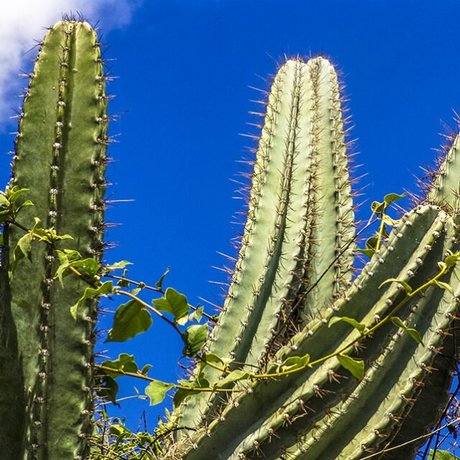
60	158
300	205
375	352
292	278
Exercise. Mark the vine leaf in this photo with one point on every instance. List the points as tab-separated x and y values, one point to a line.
378	208
405	285
108	388
392	197
156	391
116	266
124	363
354	366
195	337
351	321
173	302
23	249
411	331
294	362
14	193
71	258
452	259
189	388
119	430
103	290
196	314
445	286
145	369
232	377
130	320
180	395
159	283
211	358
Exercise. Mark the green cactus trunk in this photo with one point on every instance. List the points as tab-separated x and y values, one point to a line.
60	158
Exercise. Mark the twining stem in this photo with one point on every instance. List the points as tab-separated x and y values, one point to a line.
381	228
143	285
136	283
172	385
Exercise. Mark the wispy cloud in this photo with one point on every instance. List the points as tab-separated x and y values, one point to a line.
23	21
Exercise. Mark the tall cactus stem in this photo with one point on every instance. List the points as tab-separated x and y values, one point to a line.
296	253
60	158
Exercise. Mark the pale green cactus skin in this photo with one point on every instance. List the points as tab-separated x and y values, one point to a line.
301	218
60	158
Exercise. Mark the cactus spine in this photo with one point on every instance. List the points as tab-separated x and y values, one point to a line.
60	158
293	276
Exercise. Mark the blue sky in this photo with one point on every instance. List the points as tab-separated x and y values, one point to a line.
185	70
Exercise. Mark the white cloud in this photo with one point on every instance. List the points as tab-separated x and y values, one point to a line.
22	22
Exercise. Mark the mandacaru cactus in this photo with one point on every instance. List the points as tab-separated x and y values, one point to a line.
292	295
47	356
344	368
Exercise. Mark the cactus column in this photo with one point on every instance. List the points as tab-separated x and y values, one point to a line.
300	219
60	158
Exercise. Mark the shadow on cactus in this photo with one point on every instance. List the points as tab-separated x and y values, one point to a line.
303	362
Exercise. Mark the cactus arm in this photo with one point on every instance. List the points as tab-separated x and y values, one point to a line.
265	210
365	422
368	420
333	225
306	405
406	248
60	158
80	209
